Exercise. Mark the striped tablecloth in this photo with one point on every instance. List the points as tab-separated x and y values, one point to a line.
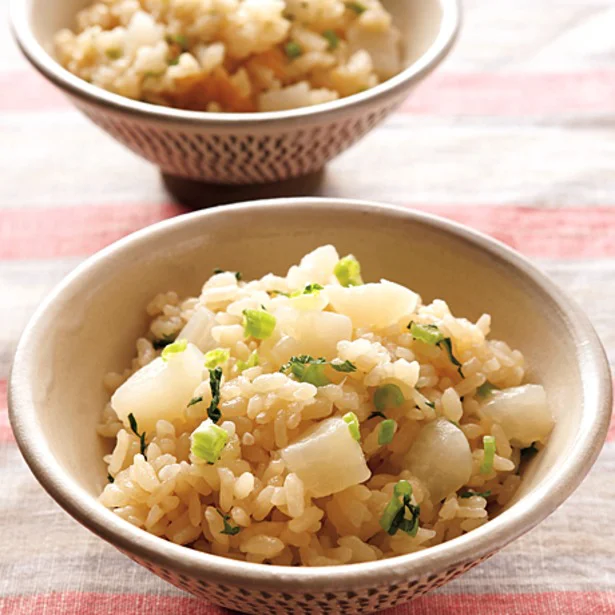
514	135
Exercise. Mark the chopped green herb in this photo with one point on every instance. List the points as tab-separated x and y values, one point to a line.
113	54
173	61
217	270
489	447
194	401
529	452
430	334
258	324
388	395
486	389
273	293
216	357
310	289
178	39
215	377
307	369
353	425
348	271
229	529
174	348
454	423
208	440
163	342
251	362
356	7
345	367
110	478
135	429
373	415
386	432
430	404
471	494
293	50
238	274
333	38
393	517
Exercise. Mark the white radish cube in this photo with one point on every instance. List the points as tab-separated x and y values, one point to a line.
197	330
160	390
327	458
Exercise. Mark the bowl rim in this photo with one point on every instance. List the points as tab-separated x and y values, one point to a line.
478	544
50	68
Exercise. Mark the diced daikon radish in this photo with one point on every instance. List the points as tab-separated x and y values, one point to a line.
327	458
160	390
384	48
197	330
373	305
522	412
314	268
440	458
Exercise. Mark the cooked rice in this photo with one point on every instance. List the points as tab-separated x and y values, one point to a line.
174	494
232	55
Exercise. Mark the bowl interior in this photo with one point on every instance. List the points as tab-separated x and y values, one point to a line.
419	21
90	325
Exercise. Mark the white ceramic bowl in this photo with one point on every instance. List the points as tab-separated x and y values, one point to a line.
87	327
248	147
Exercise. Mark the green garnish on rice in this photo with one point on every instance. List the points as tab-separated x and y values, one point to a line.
388	395
386	432
207	441
430	334
293	50
356	7
216	357
174	348
163	342
258	324
394	516
485	389
353	425
135	429
348	271
489	447
230	530
251	362
310	289
471	494
308	369
215	378
332	38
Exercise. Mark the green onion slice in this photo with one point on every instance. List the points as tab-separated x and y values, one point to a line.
216	357
293	50
485	389
332	38
386	432
489	447
174	348
208	440
353	425
393	518
348	271
388	395
251	362
258	324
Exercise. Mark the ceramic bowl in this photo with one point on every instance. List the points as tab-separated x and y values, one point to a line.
248	147
89	323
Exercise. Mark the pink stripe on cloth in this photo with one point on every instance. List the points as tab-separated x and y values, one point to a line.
545	603
6	433
444	93
571	232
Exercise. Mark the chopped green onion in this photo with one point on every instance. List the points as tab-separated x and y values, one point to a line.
489	454
208	440
388	395
238	275
345	367
215	378
229	529
486	389
110	478
393	517
113	54
195	400
251	362
310	289
430	334
178	39
174	348
353	425
273	293
258	324
216	357
135	429
357	7
174	61
471	494
529	452
373	415
386	432
293	49
332	38
348	271
163	342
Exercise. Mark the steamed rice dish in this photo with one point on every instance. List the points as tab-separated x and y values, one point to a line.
314	419
232	55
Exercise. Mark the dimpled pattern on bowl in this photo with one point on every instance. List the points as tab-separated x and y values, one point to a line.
260	602
243	157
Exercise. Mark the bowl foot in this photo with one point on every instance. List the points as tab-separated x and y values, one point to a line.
195	194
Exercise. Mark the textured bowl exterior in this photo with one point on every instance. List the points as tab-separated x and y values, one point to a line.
243	156
55	394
